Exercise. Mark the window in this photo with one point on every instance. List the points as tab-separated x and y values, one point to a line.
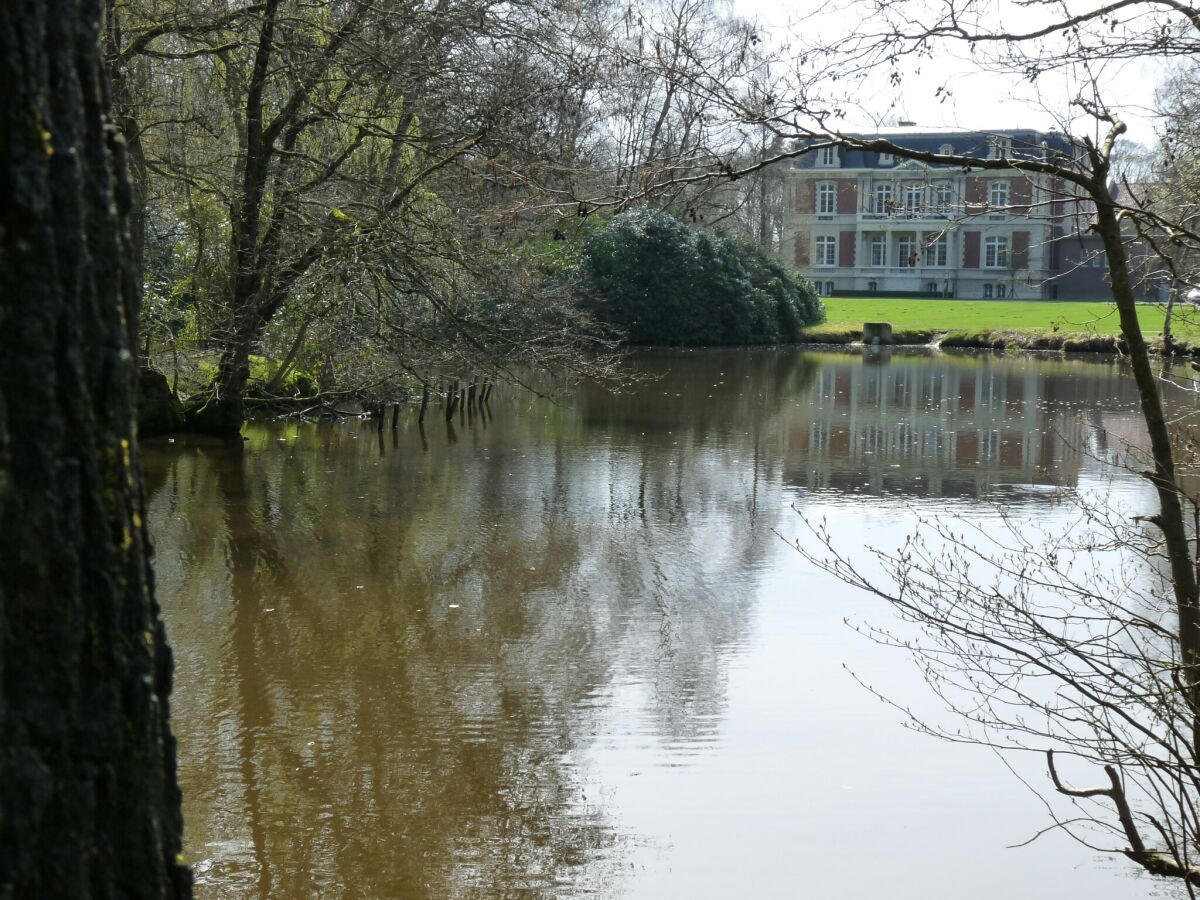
879	250
932	287
946	150
995	253
935	252
913	194
826	251
906	251
943	197
988	291
883	198
1000	148
1001	291
998	195
872	285
826	198
827	157
885	159
829	289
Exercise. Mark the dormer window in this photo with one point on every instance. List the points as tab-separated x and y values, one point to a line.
827	157
946	150
1000	148
886	159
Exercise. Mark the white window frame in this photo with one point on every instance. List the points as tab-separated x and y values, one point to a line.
937	252
998	195
914	199
946	150
1001	290
996	252
882	199
906	251
879	243
827	158
826	191
886	159
943	196
1000	148
825	246
988	291
829	289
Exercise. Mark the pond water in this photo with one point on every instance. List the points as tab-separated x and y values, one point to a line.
567	650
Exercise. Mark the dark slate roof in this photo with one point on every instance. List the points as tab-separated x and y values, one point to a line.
1025	143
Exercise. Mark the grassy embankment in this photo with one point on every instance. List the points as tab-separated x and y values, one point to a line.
1032	324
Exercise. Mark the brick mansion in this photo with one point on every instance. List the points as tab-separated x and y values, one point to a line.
865	223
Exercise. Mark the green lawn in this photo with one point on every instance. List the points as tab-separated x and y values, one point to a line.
977	316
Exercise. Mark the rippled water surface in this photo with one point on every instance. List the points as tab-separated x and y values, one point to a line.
567	650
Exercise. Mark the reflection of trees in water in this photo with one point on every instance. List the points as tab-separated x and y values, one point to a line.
392	660
702	394
344	726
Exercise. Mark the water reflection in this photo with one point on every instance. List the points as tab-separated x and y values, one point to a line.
969	426
401	656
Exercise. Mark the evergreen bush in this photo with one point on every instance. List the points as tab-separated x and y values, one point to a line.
660	282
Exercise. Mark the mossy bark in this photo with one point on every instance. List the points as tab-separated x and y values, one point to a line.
89	800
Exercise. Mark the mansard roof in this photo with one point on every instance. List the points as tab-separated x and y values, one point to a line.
1025	143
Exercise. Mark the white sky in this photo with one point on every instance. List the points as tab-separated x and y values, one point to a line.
979	100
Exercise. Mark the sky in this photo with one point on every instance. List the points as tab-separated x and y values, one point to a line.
978	100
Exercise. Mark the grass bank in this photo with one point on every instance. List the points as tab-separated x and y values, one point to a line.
1029	324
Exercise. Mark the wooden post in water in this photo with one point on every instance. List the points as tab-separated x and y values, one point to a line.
424	404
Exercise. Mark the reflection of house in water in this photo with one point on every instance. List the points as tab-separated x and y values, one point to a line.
955	429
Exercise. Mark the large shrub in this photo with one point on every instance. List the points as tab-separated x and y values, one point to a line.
661	282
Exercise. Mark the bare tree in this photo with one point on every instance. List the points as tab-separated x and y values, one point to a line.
362	152
1043	652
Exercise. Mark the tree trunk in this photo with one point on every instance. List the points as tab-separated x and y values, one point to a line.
221	409
285	367
1170	519
1170	312
88	791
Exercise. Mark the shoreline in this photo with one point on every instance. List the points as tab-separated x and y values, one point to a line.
1061	342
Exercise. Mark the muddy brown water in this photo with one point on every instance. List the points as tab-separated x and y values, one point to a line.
566	649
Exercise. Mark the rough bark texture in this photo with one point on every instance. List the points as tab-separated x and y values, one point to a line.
89	802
